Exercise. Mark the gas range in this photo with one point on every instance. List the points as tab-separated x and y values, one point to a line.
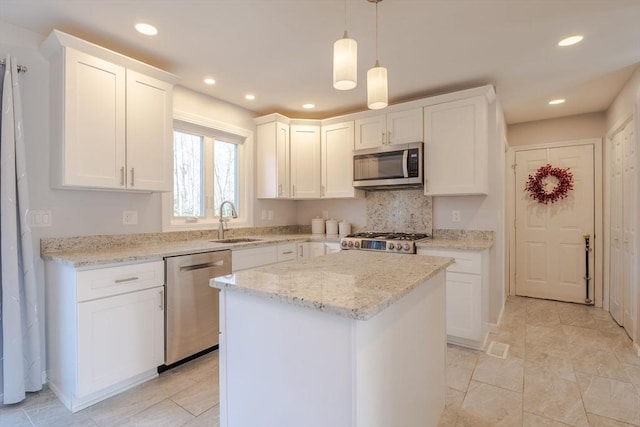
402	243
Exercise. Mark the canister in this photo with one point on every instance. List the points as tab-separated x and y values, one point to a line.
332	227
317	225
344	228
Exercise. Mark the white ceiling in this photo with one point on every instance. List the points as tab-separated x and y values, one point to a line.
281	50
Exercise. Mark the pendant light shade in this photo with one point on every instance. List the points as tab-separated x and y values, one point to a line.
345	63
377	91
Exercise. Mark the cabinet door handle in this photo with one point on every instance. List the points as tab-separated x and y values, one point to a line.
122	176
324	191
383	141
128	279
161	306
389	137
132	177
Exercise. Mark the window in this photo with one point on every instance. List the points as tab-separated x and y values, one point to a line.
208	166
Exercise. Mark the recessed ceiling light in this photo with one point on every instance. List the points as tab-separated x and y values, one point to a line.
209	81
250	97
309	106
570	40
556	102
146	29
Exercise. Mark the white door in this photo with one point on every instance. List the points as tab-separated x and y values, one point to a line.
149	133
119	337
94	123
629	223
550	247
305	161
623	231
337	160
616	296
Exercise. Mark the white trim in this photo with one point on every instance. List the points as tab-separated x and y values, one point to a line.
598	238
494	327
245	176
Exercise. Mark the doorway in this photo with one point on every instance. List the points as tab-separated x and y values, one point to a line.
623	217
549	239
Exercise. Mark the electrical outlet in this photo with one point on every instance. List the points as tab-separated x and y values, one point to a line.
270	215
325	214
455	216
129	217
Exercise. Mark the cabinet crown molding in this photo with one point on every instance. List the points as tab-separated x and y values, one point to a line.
58	40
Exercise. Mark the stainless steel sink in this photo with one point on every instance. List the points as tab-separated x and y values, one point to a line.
236	240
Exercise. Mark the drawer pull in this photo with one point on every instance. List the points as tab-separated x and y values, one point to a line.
128	279
287	252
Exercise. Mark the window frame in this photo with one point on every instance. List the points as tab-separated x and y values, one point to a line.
243	138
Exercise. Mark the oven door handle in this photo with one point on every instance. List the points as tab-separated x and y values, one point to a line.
405	161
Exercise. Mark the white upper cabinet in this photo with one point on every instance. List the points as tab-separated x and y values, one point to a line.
456	147
305	161
149	133
111	126
399	127
273	160
337	161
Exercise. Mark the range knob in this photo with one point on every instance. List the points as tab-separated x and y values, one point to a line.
391	246
350	244
399	247
356	244
343	243
406	246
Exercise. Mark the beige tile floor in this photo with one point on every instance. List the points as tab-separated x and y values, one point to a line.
568	365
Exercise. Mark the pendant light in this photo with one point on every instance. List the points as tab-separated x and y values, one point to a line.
345	60
377	89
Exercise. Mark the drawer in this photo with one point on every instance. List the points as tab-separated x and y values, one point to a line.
108	281
466	261
243	259
287	252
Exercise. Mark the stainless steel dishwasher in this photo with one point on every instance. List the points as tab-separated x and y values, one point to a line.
192	321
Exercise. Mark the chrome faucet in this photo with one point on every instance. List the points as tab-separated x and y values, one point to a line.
234	214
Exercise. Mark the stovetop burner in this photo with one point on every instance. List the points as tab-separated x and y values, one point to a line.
404	243
389	236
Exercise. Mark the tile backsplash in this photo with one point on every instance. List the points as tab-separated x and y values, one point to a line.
408	211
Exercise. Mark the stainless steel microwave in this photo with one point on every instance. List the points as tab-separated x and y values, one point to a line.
388	167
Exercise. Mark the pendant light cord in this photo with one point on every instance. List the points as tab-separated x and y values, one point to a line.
377	62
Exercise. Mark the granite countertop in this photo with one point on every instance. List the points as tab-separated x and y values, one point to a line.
353	284
156	251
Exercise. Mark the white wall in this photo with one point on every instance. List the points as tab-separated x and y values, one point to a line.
569	128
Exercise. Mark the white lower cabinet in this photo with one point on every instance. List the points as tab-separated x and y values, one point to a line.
243	259
105	329
467	296
119	337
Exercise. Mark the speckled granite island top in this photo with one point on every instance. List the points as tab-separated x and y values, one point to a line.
354	284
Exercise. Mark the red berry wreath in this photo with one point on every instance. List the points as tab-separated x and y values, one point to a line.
536	184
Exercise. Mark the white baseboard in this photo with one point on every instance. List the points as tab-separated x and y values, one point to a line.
493	327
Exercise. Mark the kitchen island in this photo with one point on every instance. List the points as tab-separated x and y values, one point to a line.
349	339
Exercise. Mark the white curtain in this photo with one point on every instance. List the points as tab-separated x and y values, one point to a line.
20	332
